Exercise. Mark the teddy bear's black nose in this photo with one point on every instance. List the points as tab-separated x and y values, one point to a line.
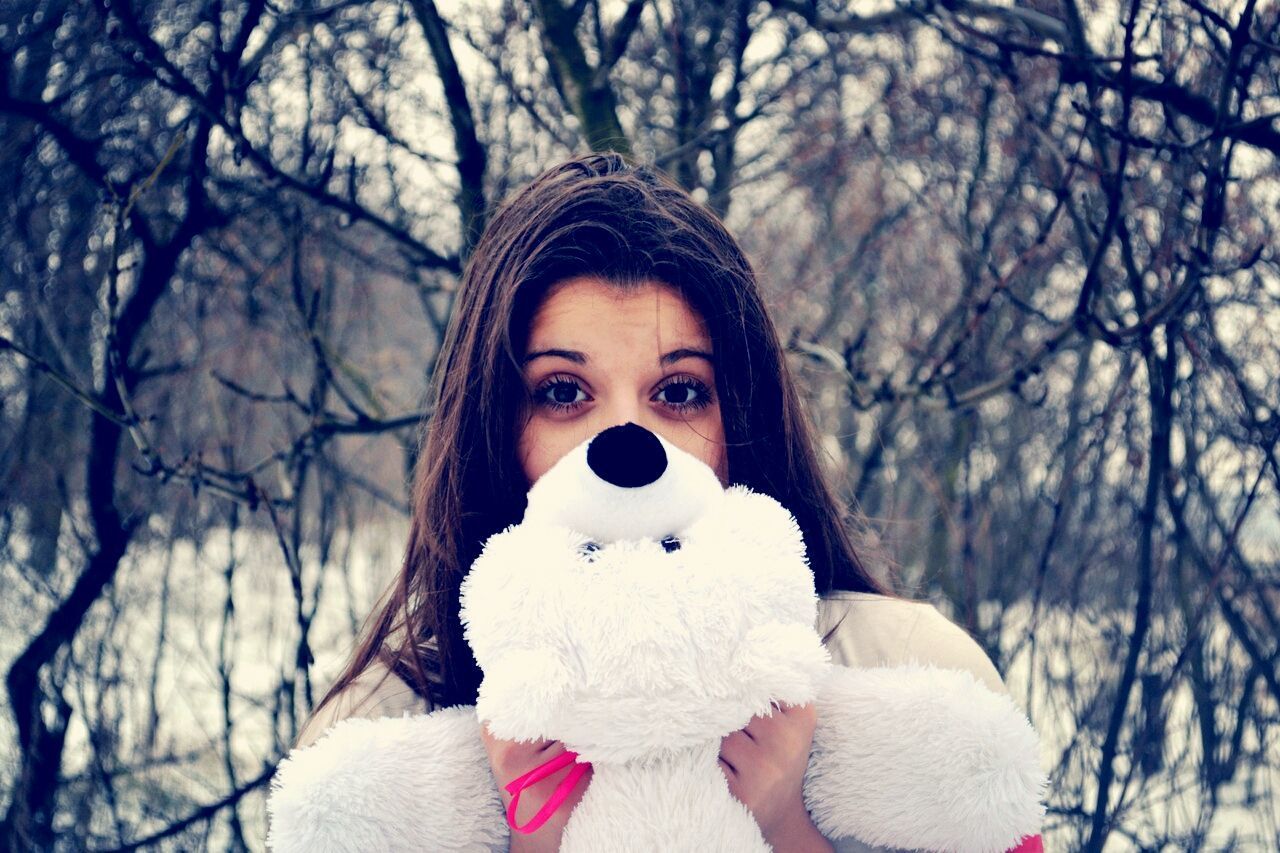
627	455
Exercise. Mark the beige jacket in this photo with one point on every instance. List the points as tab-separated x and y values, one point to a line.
870	630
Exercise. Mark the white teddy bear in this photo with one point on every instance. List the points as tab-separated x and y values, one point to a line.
639	613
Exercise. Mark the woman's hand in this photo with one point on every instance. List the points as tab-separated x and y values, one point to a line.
511	760
765	764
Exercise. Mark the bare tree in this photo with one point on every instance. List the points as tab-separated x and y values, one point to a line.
1023	256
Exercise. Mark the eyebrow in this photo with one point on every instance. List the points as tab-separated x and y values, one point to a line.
581	358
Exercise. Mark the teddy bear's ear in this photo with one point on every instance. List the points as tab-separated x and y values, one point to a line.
764	524
515	587
761	545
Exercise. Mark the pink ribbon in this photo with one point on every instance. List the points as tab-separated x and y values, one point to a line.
561	793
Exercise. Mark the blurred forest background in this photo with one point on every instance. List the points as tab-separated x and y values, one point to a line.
1024	256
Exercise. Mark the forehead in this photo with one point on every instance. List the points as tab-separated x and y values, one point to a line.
589	310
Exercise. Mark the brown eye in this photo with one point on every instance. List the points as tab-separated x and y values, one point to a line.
685	393
559	393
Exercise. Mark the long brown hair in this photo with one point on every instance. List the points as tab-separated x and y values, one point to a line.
604	216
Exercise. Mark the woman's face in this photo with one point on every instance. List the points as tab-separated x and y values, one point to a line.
599	356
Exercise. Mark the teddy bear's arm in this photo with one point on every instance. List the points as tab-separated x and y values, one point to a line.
523	693
397	784
784	661
919	757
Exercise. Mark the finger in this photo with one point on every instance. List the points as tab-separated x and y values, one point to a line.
535	796
759	727
531	750
539	792
777	710
736	750
737	742
534	746
515	758
802	719
730	771
792	715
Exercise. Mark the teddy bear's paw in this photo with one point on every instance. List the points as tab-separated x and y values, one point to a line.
783	662
522	693
923	758
395	784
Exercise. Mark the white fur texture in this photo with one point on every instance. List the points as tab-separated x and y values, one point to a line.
641	659
908	757
923	758
570	495
628	649
409	784
677	805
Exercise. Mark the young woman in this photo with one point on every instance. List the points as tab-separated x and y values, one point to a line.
599	294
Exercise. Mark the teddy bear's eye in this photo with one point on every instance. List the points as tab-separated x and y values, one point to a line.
588	548
670	544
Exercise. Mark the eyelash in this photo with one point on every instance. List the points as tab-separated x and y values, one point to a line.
703	400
